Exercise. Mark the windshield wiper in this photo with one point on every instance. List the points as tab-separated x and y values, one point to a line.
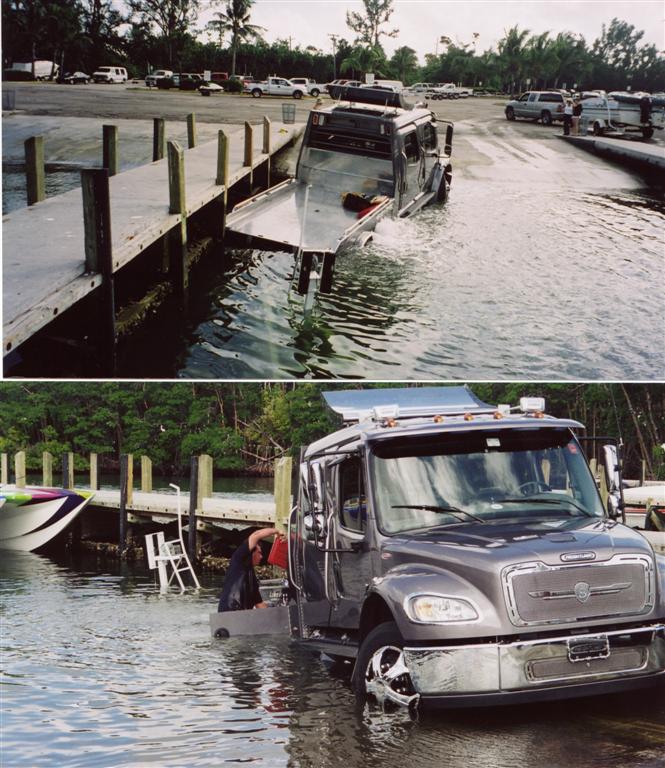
456	511
533	500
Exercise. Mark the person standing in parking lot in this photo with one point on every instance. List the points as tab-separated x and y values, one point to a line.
567	117
577	113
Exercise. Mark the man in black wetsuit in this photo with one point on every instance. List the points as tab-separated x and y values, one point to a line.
241	587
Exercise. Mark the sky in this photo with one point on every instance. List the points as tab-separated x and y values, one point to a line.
422	22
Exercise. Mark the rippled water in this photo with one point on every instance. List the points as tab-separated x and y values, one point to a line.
99	670
514	281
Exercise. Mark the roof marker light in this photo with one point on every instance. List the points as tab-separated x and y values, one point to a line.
468	417
498	415
532	404
438	419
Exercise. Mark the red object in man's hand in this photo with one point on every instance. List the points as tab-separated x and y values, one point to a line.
279	554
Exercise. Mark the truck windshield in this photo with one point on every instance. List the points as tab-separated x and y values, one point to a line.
481	476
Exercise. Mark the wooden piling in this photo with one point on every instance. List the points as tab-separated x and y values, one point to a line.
204	490
94	472
68	470
192	542
158	139
146	474
222	159
19	470
283	470
110	148
191	130
249	145
4	469
34	169
47	469
266	135
99	255
126	487
218	208
178	235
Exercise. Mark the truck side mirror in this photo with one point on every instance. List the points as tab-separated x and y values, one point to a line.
613	477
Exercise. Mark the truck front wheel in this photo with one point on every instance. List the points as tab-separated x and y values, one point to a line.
380	670
315	92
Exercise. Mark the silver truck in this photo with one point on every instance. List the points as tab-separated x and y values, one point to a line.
459	554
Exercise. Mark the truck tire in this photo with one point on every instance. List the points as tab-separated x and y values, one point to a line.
510	113
546	117
297	94
647	132
598	129
380	671
257	93
315	92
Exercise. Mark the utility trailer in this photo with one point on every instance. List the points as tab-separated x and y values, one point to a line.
366	156
459	554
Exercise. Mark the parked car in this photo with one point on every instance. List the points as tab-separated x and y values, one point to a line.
275	86
153	77
110	75
72	78
189	81
208	89
545	106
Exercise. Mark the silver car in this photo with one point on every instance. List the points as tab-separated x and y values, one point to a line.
546	106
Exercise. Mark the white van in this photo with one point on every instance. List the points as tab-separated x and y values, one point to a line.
110	75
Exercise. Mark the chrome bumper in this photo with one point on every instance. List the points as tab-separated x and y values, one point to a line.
529	665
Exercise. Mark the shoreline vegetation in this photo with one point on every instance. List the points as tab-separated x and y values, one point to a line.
245	427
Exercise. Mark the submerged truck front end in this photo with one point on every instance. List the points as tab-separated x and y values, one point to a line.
460	555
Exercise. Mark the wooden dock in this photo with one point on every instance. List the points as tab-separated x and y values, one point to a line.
215	511
46	248
648	157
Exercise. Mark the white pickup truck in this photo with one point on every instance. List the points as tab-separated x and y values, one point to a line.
450	91
313	88
275	86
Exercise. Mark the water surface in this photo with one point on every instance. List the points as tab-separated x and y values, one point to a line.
100	670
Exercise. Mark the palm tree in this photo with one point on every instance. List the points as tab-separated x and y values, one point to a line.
512	55
541	59
362	59
236	21
404	62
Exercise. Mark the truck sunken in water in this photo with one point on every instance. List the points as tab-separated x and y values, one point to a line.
460	555
367	155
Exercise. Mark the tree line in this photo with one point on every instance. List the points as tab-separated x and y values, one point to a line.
143	35
246	426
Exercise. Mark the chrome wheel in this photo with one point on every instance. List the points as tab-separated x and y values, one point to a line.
387	677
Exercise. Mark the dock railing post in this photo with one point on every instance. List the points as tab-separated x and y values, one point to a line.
204	490
19	469
191	130
643	473
110	148
158	139
4	469
265	165
94	472
283	469
99	253
47	469
34	169
178	235
266	135
192	543
146	474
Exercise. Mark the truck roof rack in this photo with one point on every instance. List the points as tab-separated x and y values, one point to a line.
355	405
384	97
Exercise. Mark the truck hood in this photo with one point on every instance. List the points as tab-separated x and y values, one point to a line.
493	545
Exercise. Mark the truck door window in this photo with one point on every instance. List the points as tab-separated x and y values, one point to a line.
411	149
429	137
352	499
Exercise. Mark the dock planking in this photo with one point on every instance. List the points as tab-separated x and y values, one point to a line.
43	245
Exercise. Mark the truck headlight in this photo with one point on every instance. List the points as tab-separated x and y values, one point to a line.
438	609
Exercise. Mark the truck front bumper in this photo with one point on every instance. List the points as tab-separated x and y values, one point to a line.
548	668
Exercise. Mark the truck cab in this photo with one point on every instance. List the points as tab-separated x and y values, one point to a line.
460	554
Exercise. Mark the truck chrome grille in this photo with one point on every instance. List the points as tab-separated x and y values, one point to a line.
539	594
